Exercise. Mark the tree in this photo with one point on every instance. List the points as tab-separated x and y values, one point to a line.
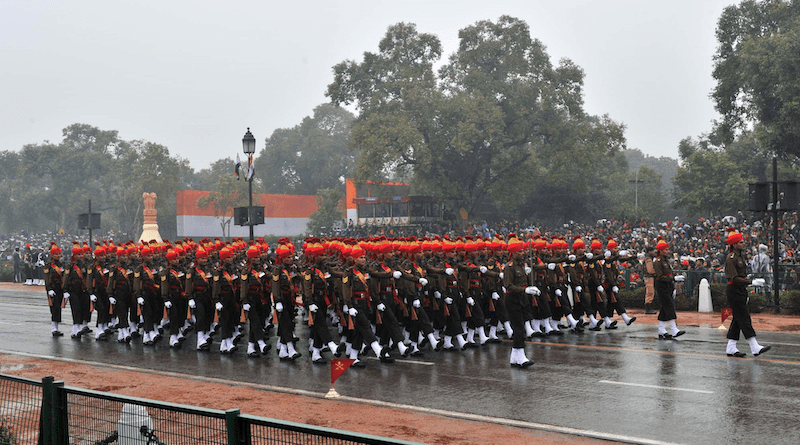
709	181
475	135
756	67
329	210
309	157
228	195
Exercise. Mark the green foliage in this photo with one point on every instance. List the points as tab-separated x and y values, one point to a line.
497	127
7	437
710	181
229	193
310	156
756	67
329	210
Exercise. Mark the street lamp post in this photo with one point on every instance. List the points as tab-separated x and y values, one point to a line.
636	191
249	147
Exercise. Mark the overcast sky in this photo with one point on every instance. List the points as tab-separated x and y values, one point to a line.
193	75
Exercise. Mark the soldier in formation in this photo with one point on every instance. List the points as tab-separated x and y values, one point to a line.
388	297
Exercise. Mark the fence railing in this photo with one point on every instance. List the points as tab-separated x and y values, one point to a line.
49	413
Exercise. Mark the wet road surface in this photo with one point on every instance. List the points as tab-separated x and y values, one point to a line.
624	383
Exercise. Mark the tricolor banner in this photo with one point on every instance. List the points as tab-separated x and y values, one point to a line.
338	366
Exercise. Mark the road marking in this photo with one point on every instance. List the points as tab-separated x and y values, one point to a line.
654	351
410	362
640	385
301	392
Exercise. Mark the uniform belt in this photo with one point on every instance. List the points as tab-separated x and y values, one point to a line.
452	286
388	289
360	296
475	283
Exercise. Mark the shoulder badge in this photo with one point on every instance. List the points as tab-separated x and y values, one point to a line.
136	274
491	266
47	271
111	274
244	277
276	277
216	277
163	278
308	276
188	275
345	280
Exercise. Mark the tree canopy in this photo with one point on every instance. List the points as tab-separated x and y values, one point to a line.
756	66
496	127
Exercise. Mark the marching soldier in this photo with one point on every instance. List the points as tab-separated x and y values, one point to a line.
97	283
736	291
225	292
252	296
120	293
53	276
198	290
285	287
665	288
74	285
518	294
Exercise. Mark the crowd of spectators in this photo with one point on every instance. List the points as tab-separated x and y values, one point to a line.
697	245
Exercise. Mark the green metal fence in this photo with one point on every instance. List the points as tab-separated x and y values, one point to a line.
49	413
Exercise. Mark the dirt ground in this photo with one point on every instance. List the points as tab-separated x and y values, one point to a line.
351	416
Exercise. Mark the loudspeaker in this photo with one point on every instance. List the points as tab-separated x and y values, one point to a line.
240	216
759	197
257	215
88	221
787	195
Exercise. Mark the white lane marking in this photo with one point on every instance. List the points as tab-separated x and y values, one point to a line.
439	412
701	391
410	362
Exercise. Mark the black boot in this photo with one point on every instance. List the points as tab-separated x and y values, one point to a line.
648	309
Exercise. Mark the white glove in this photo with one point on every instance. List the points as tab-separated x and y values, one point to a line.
483	269
397	274
449	271
756	282
615	289
140	300
66	295
437	294
192	304
470	301
416	303
589	255
640	256
168	304
674	293
505	291
381	307
551	266
530	290
353	312
495	296
623	253
311	308
528	270
607	254
578	289
600	289
93	297
558	292
279	306
345	308
52	293
246	307
112	300
218	306
501	275
423	281
572	258
448	300
680	278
